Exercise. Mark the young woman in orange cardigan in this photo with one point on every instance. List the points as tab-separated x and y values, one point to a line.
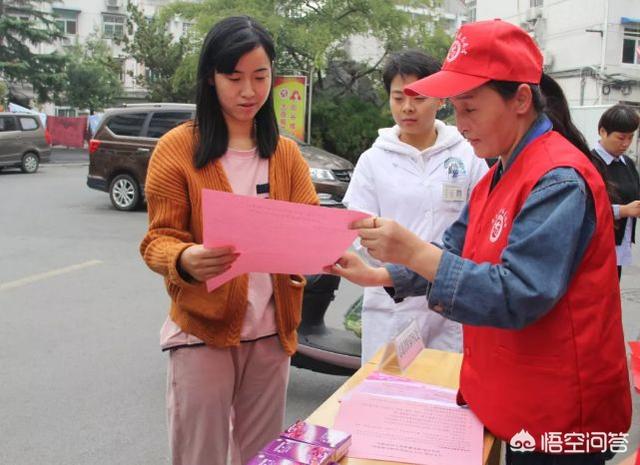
229	349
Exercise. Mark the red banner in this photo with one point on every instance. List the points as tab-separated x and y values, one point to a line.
67	131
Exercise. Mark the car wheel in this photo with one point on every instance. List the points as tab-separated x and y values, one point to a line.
29	163
124	192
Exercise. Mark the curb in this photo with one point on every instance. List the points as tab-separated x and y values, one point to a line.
78	163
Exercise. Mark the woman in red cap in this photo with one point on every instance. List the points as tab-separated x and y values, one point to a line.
529	268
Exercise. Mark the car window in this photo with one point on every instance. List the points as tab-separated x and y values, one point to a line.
28	123
8	123
163	121
127	124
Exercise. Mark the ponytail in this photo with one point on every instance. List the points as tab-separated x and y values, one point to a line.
557	109
554	105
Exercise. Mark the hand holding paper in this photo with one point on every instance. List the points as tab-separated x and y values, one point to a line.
351	266
273	236
202	263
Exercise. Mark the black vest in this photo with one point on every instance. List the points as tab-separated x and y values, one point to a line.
623	184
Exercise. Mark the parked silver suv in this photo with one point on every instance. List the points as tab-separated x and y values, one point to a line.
23	143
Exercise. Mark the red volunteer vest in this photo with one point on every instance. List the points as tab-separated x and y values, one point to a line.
566	372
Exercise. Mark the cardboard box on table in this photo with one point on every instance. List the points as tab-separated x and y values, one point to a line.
430	366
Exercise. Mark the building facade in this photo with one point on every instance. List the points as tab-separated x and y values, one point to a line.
81	19
591	47
451	14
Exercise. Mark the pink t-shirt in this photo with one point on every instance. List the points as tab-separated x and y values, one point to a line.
248	174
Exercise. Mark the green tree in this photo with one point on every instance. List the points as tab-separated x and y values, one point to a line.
349	108
93	80
346	126
307	33
150	43
24	25
4	91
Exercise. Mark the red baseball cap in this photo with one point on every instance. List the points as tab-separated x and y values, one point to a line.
481	52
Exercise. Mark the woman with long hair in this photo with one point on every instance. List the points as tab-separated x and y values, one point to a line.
229	349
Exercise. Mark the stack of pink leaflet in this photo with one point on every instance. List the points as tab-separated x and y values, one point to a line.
337	441
298	452
391	385
400	420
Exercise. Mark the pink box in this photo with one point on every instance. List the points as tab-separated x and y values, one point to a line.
307	454
337	441
264	459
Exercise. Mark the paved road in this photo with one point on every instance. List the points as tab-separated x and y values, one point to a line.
82	378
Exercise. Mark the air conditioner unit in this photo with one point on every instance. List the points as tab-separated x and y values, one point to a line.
113	4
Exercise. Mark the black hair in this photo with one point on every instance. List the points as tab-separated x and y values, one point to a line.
227	41
619	118
408	63
549	98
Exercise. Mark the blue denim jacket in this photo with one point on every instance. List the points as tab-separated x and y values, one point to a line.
546	244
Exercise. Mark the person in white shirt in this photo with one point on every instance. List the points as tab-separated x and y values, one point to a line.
420	173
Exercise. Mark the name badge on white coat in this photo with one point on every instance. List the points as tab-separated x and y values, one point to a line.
452	192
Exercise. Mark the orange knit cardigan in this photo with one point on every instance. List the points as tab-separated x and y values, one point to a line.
173	191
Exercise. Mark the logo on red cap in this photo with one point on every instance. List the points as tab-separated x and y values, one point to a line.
459	46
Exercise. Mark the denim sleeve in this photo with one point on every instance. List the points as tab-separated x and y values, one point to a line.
408	283
546	244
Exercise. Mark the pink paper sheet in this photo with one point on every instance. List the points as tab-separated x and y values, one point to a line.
273	236
410	431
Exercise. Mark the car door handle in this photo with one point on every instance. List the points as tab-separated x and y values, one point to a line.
143	150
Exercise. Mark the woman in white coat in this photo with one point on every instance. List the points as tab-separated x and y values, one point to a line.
420	173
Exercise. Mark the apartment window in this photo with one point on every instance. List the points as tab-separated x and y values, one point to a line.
536	3
122	71
151	75
631	45
67	21
65	111
113	25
